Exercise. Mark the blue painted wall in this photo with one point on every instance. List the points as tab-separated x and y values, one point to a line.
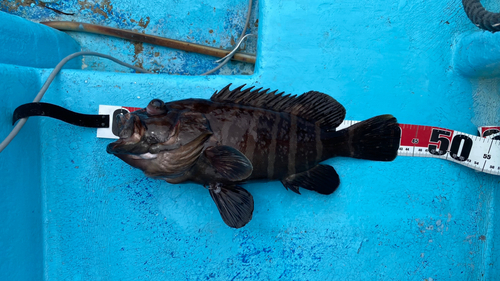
21	229
28	44
22	236
21	192
417	219
214	23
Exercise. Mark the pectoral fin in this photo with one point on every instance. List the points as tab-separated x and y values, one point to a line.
229	162
235	204
322	179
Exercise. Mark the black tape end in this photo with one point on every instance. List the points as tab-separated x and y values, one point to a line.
16	116
60	113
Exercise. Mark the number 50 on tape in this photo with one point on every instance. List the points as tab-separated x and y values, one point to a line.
479	153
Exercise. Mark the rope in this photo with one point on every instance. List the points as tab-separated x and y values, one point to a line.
480	16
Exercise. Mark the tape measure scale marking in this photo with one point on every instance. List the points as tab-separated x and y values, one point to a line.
478	153
475	152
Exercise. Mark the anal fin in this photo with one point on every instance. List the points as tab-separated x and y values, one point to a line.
235	204
322	179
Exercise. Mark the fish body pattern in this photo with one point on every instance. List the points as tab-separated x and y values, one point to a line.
244	134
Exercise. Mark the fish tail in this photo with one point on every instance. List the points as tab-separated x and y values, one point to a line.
376	139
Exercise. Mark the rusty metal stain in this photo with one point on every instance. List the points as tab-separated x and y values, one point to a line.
141	22
144	24
20	3
138	48
102	8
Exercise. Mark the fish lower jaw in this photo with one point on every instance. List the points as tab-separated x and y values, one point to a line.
144	156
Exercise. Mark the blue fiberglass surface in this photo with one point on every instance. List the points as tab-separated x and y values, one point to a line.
21	38
212	23
410	219
24	44
20	191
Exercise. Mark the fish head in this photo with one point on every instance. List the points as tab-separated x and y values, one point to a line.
145	133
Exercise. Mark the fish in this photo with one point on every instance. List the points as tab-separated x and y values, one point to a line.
249	134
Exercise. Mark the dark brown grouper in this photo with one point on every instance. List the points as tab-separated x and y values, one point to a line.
244	135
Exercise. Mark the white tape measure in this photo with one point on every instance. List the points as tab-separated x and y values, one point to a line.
112	111
481	153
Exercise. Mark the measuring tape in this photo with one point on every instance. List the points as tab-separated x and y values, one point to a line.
112	131
481	153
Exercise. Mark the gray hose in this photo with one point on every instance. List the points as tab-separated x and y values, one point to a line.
480	16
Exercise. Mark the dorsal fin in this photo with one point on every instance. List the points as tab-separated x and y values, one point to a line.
312	106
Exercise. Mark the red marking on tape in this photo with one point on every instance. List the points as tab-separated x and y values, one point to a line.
487	128
420	136
487	131
131	109
409	135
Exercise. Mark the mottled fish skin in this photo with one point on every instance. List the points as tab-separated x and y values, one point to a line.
277	143
242	135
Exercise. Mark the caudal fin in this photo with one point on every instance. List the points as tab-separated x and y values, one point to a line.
374	139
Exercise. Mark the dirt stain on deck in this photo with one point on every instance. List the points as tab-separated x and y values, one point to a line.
138	48
103	8
142	23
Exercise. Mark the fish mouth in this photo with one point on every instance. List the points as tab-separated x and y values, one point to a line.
130	150
123	147
137	141
130	132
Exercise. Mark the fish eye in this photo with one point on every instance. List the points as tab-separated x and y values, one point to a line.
157	103
156	107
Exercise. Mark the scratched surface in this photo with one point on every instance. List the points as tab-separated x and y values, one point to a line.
212	23
411	219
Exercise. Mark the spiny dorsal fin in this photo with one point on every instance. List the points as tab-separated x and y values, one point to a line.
312	106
